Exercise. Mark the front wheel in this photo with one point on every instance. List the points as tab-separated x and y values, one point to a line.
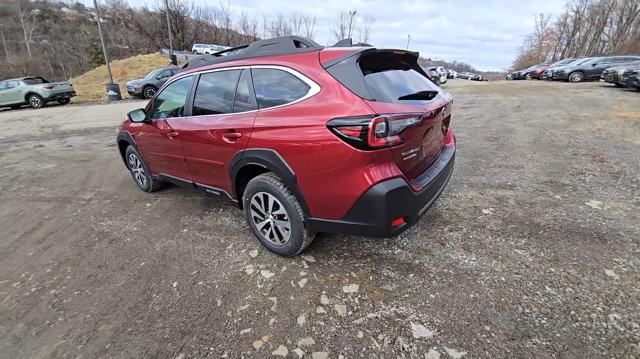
35	101
140	172
275	216
576	77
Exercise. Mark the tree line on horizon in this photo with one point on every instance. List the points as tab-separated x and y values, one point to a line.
585	28
60	40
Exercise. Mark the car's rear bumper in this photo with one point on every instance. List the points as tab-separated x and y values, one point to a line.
390	200
60	96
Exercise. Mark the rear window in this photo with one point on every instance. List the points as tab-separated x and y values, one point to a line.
390	78
35	81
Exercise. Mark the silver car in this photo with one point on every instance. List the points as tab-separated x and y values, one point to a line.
34	91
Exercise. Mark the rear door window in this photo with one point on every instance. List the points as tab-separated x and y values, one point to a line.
390	79
274	87
215	93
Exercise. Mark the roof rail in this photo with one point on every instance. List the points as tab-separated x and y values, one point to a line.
269	47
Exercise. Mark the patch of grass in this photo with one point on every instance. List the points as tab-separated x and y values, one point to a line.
90	85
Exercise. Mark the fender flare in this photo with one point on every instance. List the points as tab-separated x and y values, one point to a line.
126	137
270	160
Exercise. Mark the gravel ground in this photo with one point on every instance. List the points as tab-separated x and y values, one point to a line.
531	252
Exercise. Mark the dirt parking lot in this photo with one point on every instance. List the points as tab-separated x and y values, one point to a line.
531	252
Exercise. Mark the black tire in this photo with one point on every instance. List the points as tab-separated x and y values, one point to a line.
64	101
35	101
149	91
528	77
299	237
576	76
145	181
619	85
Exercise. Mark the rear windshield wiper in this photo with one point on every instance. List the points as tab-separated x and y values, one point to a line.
420	95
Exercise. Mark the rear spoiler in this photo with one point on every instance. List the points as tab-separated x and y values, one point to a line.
365	50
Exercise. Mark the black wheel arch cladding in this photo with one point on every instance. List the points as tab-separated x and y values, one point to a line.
271	161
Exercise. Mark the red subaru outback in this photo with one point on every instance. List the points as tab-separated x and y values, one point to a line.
304	138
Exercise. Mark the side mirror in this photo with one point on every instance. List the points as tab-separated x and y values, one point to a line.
137	116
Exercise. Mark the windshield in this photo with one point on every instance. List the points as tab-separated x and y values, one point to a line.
152	74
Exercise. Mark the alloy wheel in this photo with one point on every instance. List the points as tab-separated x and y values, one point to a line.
270	218
149	92
137	170
35	102
575	77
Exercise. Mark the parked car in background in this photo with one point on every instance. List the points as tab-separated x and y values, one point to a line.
632	81
206	49
34	91
615	75
467	75
591	69
440	72
538	71
147	86
246	127
452	74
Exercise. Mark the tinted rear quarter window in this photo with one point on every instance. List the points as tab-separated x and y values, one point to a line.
275	87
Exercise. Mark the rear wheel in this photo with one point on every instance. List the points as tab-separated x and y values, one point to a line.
35	101
576	77
275	216
140	172
64	101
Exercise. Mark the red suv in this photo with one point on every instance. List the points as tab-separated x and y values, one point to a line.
304	138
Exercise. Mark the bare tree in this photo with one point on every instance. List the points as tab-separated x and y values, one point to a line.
365	28
309	24
340	28
28	22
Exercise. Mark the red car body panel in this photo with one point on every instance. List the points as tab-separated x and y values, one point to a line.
331	175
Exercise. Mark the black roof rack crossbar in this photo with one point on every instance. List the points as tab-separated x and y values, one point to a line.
268	47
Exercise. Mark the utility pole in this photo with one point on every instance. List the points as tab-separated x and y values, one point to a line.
352	14
104	48
408	41
166	4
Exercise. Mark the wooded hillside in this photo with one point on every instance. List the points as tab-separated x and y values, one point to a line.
586	28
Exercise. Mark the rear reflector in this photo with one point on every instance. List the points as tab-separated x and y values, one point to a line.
397	222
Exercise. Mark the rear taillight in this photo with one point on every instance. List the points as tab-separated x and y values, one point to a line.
373	132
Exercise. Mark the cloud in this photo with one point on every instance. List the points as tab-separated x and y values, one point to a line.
485	34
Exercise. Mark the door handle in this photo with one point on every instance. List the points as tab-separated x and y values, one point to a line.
172	134
232	136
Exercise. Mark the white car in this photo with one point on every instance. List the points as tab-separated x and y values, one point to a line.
442	73
205	49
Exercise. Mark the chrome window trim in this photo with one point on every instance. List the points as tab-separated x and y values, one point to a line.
314	88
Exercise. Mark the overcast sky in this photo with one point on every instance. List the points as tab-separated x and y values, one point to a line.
483	33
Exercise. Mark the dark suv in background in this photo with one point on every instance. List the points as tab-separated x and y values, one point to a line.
304	138
590	70
147	86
